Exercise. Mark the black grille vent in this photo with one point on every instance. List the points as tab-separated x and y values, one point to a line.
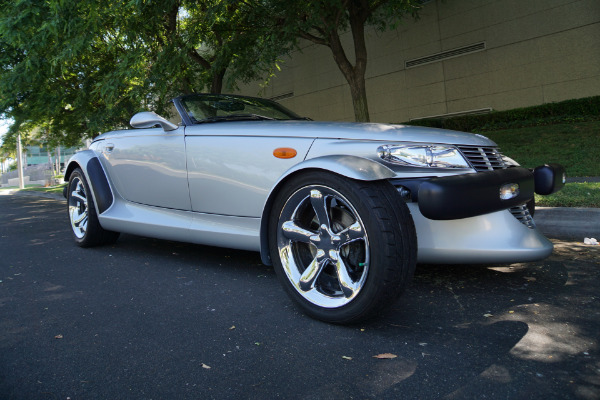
483	158
444	55
522	214
489	159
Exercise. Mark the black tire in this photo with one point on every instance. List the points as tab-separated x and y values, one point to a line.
85	226
367	226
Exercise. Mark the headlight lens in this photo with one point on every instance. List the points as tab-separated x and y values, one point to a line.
434	156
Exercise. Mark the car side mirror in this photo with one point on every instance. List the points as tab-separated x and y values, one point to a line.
147	119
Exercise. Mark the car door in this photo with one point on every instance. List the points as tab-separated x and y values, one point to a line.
148	166
231	173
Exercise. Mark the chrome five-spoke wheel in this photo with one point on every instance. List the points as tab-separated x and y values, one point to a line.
343	249
85	226
323	246
78	208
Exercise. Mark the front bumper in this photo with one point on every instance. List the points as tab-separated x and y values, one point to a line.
497	237
462	219
470	195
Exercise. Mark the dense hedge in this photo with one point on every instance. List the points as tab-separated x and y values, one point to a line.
577	110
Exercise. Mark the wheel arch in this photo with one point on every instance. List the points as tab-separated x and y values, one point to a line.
353	167
89	163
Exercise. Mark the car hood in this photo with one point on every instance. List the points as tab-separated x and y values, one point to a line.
338	130
329	130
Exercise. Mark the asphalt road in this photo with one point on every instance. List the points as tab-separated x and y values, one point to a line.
150	319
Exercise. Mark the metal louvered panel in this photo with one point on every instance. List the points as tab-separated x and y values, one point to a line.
444	55
483	158
489	159
522	214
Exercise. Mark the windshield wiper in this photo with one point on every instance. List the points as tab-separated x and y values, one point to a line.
235	117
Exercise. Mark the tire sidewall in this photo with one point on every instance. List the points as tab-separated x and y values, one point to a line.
365	301
87	238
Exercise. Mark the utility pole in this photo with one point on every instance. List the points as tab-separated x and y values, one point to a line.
20	162
58	160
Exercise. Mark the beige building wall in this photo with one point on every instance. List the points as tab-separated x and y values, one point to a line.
524	52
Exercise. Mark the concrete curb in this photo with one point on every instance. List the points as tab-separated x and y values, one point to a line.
568	222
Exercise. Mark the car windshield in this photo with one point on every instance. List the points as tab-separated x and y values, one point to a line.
203	108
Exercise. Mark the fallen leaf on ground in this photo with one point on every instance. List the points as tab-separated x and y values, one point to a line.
388	356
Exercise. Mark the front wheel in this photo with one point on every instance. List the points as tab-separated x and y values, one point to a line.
343	249
85	226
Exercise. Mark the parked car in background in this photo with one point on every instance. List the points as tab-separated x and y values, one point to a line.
343	211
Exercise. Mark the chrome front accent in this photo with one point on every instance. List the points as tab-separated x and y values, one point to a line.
323	246
522	214
423	155
78	208
487	159
483	158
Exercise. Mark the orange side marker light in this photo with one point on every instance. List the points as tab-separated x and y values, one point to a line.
285	152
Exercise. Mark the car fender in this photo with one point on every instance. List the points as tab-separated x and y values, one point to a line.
89	163
352	167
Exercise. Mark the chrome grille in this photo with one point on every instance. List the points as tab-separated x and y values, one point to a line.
483	158
522	214
489	159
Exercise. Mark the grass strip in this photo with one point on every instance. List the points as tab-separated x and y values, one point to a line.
584	194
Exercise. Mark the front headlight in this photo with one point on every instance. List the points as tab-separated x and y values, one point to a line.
434	156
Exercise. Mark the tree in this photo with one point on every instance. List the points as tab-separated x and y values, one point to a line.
322	22
62	67
82	67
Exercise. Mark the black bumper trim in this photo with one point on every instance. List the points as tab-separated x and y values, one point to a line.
469	195
549	178
103	194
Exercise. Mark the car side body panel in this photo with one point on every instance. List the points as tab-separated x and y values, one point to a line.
142	160
233	175
185	226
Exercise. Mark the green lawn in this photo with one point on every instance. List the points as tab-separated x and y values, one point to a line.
52	189
584	194
576	146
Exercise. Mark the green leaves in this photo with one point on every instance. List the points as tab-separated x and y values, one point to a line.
82	67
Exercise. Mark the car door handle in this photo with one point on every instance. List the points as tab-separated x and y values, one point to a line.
109	147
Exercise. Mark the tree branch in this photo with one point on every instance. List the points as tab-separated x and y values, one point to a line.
199	59
314	39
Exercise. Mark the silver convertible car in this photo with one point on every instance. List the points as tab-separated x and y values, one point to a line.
343	211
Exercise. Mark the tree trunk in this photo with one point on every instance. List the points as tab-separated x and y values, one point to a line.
358	91
217	82
354	74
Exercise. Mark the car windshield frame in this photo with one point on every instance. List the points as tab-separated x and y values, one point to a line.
206	108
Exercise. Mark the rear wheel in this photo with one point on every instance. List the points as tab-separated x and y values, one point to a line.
85	226
343	249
